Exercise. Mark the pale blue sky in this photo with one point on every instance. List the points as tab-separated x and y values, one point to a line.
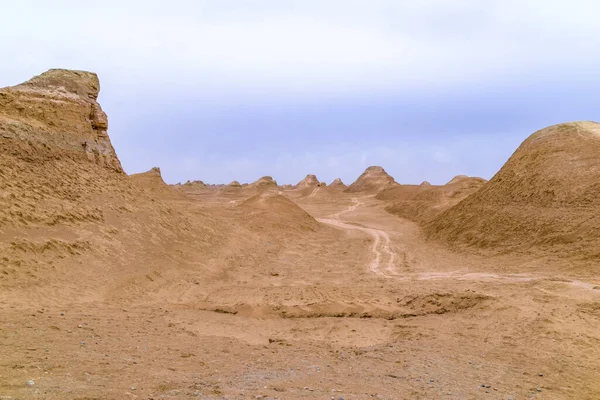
219	90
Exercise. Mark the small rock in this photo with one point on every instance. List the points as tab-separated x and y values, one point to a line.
30	383
133	388
538	389
540	374
483	385
488	386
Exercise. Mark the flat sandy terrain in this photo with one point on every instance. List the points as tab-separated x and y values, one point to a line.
362	307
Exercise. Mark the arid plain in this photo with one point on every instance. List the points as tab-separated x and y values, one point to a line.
116	286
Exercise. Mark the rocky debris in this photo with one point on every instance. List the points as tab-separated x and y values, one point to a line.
58	110
30	383
374	179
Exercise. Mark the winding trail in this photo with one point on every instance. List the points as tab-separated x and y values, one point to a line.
384	258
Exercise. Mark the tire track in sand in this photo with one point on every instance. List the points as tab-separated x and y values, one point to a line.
384	258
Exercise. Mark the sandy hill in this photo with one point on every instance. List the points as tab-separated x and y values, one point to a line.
337	184
374	180
423	202
310	181
275	213
66	207
264	183
544	197
234	184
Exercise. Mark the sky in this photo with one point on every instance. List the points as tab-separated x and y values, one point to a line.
222	90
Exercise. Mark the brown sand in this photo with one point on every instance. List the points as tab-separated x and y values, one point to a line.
117	287
424	202
373	180
544	200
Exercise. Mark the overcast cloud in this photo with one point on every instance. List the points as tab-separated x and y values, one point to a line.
219	90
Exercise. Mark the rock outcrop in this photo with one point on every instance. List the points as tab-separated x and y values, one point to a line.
58	110
264	183
374	179
308	181
337	184
195	185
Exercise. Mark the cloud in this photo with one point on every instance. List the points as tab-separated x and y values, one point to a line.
305	47
236	89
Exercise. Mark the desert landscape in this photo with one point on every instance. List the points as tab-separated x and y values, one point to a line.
116	286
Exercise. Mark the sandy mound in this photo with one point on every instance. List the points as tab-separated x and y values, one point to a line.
457	178
264	183
69	208
544	197
424	202
374	179
268	211
234	184
195	185
338	184
310	181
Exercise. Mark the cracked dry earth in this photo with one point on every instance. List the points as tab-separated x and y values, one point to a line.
361	308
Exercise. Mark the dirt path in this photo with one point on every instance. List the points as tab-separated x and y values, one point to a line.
384	258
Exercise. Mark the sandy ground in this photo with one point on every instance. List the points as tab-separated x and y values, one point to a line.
361	308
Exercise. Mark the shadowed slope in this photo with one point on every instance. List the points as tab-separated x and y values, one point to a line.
546	196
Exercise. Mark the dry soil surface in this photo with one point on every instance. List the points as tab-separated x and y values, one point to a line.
354	305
